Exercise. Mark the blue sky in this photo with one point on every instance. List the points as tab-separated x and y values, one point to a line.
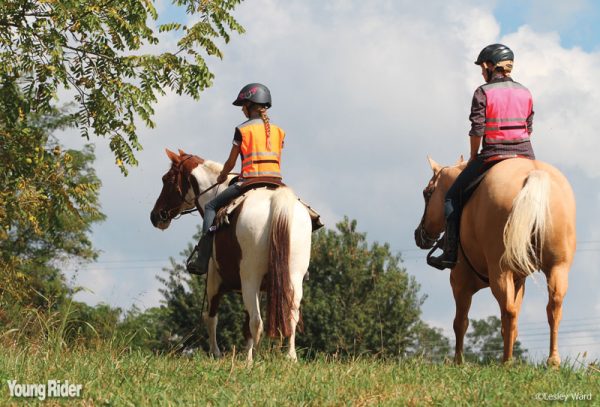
576	21
393	81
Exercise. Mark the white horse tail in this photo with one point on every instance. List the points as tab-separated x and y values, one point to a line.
526	226
279	288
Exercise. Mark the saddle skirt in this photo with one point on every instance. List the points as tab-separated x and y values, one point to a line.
222	218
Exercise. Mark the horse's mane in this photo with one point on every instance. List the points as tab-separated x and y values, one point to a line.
213	167
461	166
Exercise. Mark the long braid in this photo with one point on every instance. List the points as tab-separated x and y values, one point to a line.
265	118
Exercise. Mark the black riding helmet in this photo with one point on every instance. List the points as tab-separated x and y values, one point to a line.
495	53
255	93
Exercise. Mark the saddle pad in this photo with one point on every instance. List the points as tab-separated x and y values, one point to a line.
222	218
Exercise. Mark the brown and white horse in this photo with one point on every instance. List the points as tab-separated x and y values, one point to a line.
266	245
520	219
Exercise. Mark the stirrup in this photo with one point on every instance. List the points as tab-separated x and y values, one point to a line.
439	262
198	265
191	264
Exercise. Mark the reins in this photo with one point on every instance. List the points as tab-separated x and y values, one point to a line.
196	194
477	273
436	243
427	193
215	185
188	211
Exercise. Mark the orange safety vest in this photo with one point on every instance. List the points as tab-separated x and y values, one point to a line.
258	160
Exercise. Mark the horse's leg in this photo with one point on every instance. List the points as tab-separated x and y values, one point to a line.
250	294
519	293
295	317
557	288
503	288
247	333
213	295
463	289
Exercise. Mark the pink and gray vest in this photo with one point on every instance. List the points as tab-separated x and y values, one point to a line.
508	106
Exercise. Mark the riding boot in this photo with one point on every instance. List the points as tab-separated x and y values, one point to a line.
450	247
199	265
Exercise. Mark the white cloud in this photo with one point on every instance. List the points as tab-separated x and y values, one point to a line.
365	90
562	82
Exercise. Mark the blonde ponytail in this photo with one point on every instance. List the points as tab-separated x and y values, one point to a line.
265	118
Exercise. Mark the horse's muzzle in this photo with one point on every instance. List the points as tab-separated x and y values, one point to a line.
153	218
422	240
160	219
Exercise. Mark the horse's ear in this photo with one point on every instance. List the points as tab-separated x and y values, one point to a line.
434	166
172	156
181	152
460	160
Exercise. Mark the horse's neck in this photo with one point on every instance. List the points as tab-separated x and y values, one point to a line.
447	179
206	178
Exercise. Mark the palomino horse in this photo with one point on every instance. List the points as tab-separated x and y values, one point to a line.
266	244
519	220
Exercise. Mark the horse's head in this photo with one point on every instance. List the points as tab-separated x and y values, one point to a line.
433	221
177	193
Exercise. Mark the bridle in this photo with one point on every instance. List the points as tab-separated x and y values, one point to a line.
427	240
167	215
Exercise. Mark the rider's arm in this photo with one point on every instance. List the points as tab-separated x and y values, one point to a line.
229	164
477	116
475	143
530	122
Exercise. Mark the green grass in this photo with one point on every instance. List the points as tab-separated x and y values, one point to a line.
111	377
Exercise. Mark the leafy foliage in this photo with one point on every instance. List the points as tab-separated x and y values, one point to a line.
430	343
106	56
181	325
48	200
484	343
104	51
358	300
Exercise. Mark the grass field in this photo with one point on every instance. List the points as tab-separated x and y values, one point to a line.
113	377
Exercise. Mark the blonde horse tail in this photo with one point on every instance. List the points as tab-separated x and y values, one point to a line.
279	288
526	226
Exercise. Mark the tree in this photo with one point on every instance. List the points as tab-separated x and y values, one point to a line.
430	343
183	303
484	342
48	201
102	54
358	299
101	50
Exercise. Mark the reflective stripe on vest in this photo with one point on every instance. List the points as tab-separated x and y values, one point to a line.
508	105
257	159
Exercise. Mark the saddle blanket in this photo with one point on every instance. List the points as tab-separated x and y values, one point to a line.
222	218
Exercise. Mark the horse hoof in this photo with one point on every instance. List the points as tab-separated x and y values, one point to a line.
553	361
216	355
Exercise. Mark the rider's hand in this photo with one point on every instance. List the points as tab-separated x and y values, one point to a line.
222	178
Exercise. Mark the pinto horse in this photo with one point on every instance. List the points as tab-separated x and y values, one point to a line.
520	219
266	245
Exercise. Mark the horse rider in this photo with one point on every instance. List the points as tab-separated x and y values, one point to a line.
258	143
501	117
